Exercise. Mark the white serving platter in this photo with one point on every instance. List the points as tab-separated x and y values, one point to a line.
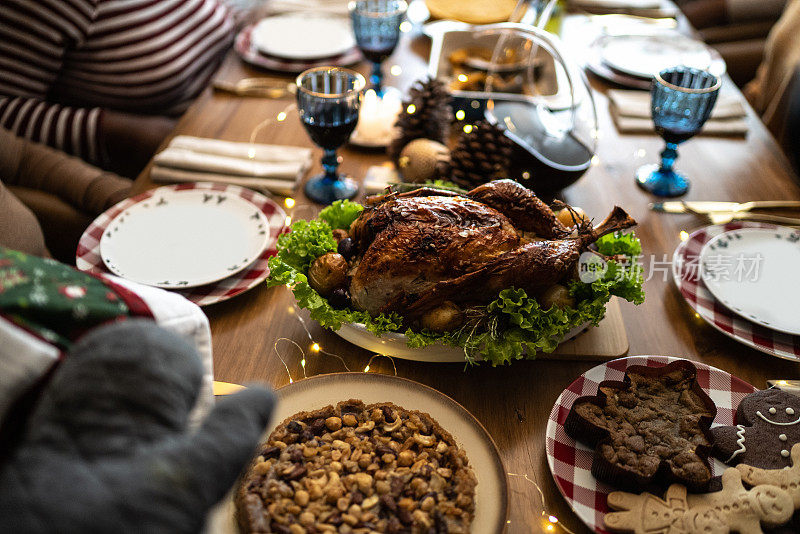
395	345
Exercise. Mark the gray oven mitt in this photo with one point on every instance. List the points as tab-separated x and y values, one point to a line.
106	449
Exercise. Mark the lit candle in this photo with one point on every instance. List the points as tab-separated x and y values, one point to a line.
377	116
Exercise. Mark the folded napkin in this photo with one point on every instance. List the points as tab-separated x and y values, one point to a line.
631	113
272	167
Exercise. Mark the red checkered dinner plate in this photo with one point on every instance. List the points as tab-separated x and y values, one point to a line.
571	462
250	54
687	277
88	254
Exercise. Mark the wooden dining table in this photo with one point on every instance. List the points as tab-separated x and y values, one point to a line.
253	332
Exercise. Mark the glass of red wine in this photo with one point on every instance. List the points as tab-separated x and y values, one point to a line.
328	100
376	24
681	102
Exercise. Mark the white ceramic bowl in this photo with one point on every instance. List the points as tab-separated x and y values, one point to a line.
394	345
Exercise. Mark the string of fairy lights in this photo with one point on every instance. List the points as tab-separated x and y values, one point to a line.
549	522
315	348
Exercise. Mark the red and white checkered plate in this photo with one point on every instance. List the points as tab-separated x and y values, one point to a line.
88	254
686	274
571	462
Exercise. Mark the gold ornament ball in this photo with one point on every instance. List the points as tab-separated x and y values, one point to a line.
420	159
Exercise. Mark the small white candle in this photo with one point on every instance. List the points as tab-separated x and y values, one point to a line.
377	116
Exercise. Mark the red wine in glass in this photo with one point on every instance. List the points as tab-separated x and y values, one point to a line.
330	136
328	102
674	135
377	54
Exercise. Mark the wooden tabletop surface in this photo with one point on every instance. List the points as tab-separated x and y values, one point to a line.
512	402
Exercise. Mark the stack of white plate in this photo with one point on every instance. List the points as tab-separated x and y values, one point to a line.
633	60
182	238
754	273
741	278
293	42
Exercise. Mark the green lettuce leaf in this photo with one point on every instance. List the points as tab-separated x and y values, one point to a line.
341	214
514	326
619	243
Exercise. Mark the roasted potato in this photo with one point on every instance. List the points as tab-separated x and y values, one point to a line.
446	317
556	295
327	273
570	218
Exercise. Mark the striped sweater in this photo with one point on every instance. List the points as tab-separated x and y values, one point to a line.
63	61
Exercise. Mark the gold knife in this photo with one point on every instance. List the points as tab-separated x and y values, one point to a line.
703	206
726	217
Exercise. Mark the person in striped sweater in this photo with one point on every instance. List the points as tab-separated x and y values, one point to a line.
104	79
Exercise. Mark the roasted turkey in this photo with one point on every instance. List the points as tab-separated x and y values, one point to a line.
426	248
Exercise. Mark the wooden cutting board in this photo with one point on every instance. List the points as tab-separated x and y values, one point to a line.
608	341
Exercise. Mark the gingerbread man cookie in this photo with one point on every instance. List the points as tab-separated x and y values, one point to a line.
788	479
733	509
768	425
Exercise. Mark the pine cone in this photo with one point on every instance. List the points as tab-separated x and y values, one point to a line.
429	118
480	156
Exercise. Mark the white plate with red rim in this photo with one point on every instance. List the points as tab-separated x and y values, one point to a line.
753	271
184	238
687	278
87	256
570	462
244	47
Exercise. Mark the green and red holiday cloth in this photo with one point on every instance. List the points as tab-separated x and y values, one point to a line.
58	303
46	306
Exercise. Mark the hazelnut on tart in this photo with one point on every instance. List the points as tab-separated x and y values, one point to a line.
357	468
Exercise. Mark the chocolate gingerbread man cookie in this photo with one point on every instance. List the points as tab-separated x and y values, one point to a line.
768	424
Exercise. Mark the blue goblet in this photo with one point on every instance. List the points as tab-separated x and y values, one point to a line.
681	102
328	100
376	24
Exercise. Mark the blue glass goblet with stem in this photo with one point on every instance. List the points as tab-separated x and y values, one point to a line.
681	101
376	24
328	101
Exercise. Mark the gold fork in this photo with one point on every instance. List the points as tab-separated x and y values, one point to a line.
723	218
